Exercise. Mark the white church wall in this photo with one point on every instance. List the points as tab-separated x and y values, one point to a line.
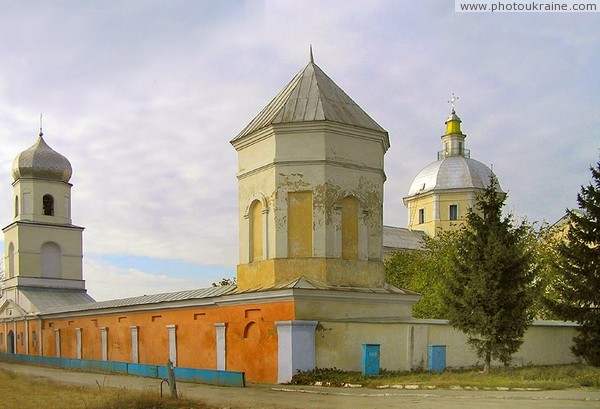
405	345
339	344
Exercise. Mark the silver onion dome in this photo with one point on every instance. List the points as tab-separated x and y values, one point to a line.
452	172
42	162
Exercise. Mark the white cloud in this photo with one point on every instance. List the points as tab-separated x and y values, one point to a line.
143	98
106	281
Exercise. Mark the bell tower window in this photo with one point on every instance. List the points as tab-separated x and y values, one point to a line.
16	206
48	204
421	216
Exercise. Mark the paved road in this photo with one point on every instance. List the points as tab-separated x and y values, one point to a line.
288	397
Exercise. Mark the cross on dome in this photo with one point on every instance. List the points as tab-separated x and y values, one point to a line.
452	100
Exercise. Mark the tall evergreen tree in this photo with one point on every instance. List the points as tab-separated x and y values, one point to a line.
488	285
579	270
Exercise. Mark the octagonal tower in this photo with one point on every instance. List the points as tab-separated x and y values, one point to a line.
310	189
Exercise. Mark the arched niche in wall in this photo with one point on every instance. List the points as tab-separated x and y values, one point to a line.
51	255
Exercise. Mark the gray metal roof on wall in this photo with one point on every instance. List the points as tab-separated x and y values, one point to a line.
311	96
49	299
214	292
147	299
400	238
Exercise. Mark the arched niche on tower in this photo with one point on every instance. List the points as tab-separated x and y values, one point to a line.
300	224
50	260
10	273
255	214
350	218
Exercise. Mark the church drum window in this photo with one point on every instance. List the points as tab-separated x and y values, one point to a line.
16	206
48	205
421	216
453	212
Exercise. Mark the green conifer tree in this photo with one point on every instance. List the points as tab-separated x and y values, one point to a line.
578	287
488	286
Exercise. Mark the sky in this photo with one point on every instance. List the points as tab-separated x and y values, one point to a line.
144	96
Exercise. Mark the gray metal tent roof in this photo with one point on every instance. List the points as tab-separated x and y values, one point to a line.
45	299
311	96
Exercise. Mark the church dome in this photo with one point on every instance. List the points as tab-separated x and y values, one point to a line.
451	172
42	162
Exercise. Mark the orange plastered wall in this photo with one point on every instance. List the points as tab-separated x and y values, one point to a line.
33	337
251	337
19	331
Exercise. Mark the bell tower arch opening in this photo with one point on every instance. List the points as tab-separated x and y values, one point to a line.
48	205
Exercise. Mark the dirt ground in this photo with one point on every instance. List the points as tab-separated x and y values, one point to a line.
286	396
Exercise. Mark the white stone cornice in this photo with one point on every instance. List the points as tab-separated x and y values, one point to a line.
37	282
315	126
61	226
435	191
309	162
256	137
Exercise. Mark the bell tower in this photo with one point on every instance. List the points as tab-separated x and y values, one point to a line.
43	249
310	189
